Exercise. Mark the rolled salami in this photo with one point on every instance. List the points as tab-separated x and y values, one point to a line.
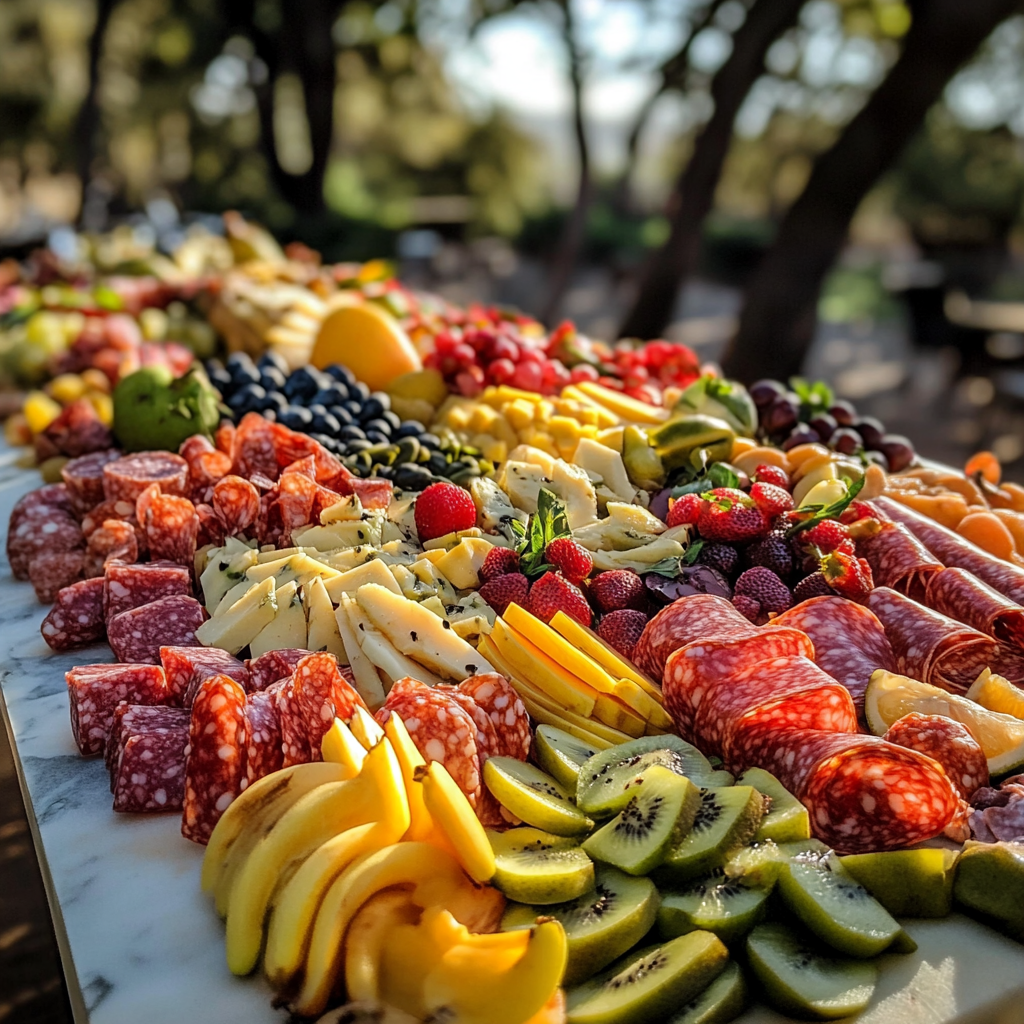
898	560
962	596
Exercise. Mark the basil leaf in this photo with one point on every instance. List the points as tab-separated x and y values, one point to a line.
833	511
693	552
720	475
668	567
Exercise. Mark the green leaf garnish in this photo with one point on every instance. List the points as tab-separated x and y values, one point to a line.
693	552
668	567
548	523
833	511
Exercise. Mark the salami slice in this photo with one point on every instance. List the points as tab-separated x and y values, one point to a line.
929	646
76	617
274	665
150	772
41	504
113	541
960	595
131	586
211	529
957	552
94	691
948	742
849	641
84	478
496	695
441	730
52	532
172	529
322	694
138	635
252	448
295	748
124	511
237	504
206	465
215	756
898	560
265	754
489	810
224	437
187	668
51	571
127	477
140	718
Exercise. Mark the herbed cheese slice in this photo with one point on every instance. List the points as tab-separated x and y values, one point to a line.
374	571
288	626
223	571
240	624
323	632
461	565
364	672
301	568
349	508
344	533
383	654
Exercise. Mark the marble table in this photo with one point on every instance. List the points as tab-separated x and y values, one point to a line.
139	942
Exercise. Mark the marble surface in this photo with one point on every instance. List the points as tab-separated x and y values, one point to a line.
140	942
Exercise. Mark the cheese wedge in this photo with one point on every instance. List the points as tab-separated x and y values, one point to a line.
374	571
367	681
240	624
287	628
323	626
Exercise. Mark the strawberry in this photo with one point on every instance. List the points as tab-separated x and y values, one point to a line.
444	508
829	535
847	575
502	591
771	499
684	510
765	474
498	562
621	629
570	558
814	585
553	593
618	589
857	510
729	515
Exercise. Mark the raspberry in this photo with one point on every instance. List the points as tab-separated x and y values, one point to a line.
729	515
764	587
553	593
570	558
684	510
829	535
723	557
621	629
848	575
748	606
814	585
770	499
765	474
502	591
498	562
618	589
444	508
773	553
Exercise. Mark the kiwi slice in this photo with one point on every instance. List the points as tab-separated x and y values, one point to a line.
648	984
759	864
787	818
536	867
534	797
727	818
990	884
605	779
600	925
799	981
722	1001
561	755
834	905
718	777
662	808
715	903
908	883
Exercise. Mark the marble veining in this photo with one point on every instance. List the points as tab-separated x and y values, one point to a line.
144	944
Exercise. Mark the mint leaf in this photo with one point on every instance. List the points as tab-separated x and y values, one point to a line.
721	475
833	511
548	523
693	552
668	567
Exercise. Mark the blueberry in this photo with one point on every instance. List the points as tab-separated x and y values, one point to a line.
351	433
380	425
239	361
220	378
341	414
410	428
341	373
372	409
412	478
272	378
353	407
303	383
359	390
327	442
243	373
248	398
272	360
429	440
392	418
326	424
377	437
315	409
296	418
275	401
333	394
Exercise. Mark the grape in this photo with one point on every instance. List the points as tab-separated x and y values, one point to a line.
898	451
780	416
800	434
846	441
843	412
764	392
659	503
870	430
824	424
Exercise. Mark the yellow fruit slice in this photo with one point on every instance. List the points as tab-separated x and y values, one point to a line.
622	405
889	697
997	694
409	759
342	747
455	817
370	342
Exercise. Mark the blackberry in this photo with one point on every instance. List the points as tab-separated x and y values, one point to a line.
723	557
772	552
814	585
765	587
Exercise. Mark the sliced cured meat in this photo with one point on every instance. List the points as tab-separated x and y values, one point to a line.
138	634
1000	815
206	465
94	691
187	668
54	531
140	718
496	695
215	756
488	810
172	528
236	503
898	560
264	754
41	503
322	694
114	541
211	529
441	730
127	477
932	647
112	747
947	742
119	510
295	748
76	617
52	571
957	552
149	774
224	437
863	793
960	595
84	478
849	641
131	586
274	665
252	448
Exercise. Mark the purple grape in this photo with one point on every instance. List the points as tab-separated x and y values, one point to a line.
898	451
692	579
843	412
764	392
877	458
780	416
659	504
870	430
846	441
824	424
800	434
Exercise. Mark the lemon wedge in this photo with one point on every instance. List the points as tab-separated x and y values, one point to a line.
889	697
369	341
997	694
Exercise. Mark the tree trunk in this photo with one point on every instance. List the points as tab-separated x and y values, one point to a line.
669	267
89	112
575	230
779	316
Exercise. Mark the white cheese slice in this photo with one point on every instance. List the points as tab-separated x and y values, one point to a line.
287	628
364	672
374	571
240	624
322	625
